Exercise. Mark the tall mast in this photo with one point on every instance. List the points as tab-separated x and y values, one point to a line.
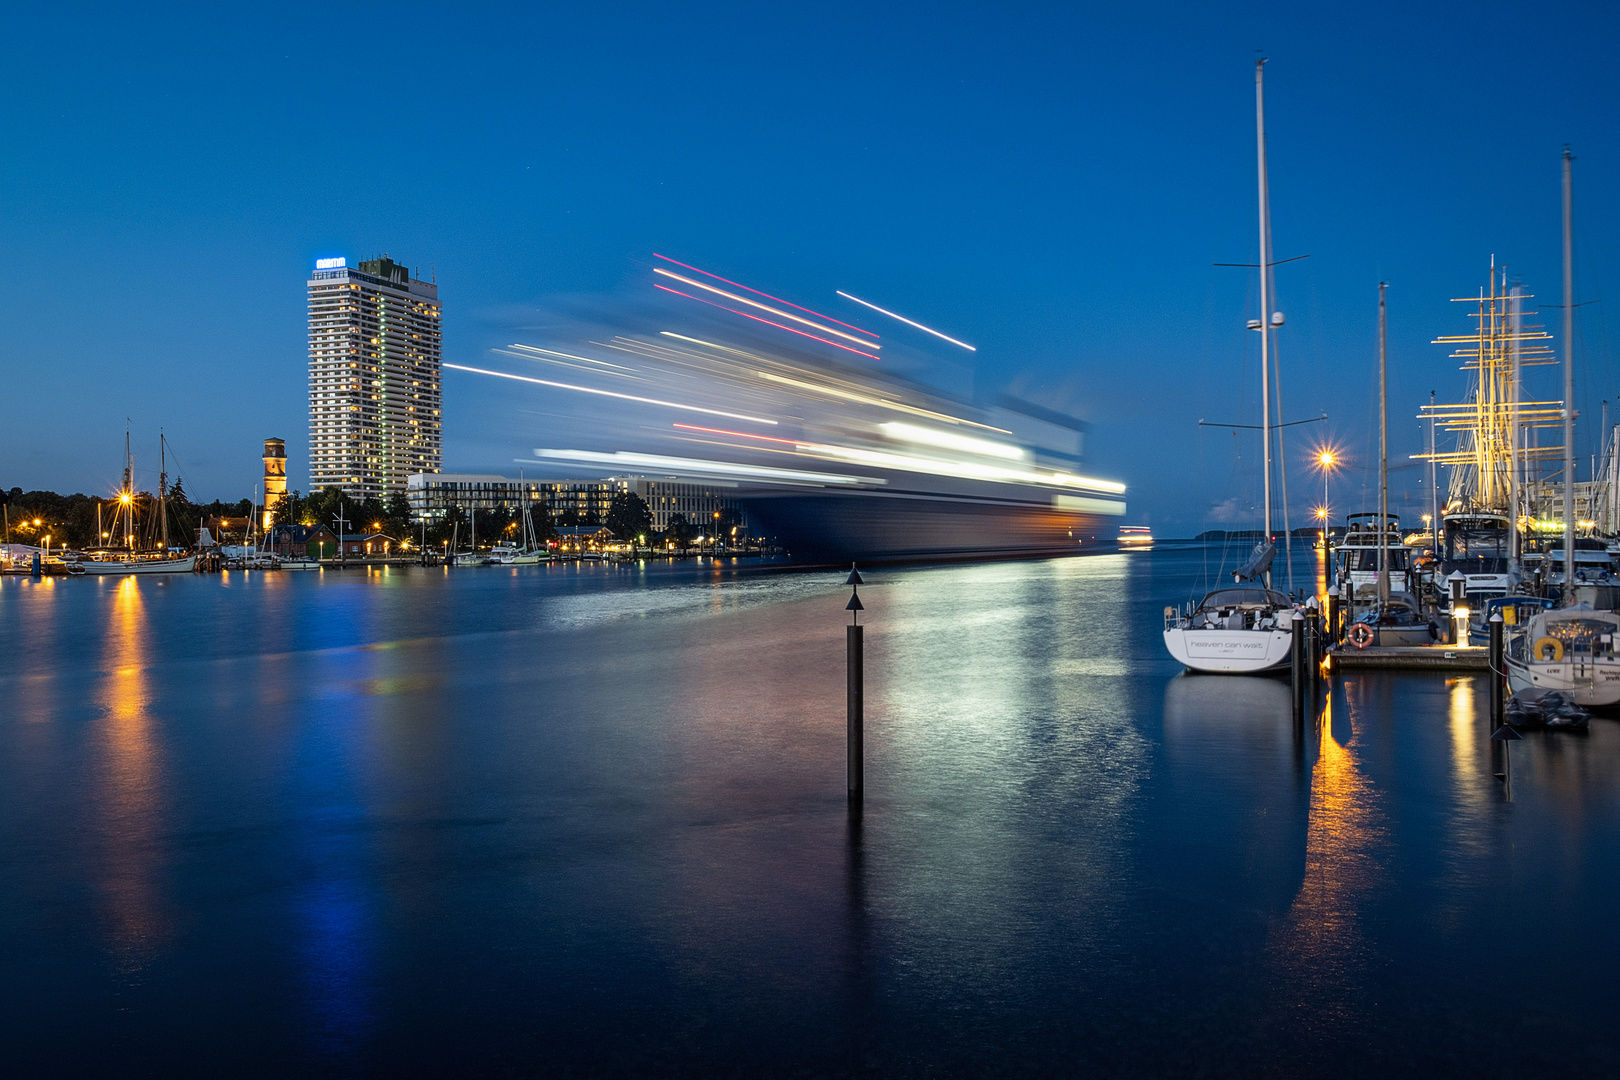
1515	334
1569	379
163	490
1265	292
1383	454
129	493
1434	485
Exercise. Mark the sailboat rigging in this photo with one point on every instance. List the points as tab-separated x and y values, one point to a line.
1246	629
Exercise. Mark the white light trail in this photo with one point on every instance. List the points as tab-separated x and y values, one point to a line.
700	467
611	394
948	441
963	470
766	307
864	399
567	356
908	322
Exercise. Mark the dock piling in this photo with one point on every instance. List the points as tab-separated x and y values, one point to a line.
1313	636
1502	738
1331	629
1296	656
1496	671
855	679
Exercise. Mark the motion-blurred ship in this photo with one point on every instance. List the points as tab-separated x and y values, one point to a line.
944	495
834	458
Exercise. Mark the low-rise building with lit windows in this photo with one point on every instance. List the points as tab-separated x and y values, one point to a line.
432	495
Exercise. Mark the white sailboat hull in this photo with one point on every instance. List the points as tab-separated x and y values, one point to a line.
1235	652
1587	682
142	566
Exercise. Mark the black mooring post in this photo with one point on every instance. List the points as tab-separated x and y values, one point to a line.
1331	629
1296	657
1313	637
1501	738
855	677
856	719
1496	671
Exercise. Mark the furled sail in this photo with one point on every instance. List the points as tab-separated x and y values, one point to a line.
1259	562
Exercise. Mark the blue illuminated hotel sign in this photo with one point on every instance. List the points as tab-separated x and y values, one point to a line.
331	264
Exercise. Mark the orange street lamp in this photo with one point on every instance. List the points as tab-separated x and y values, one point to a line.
1326	459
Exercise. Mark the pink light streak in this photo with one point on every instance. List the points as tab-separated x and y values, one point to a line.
767	295
767	322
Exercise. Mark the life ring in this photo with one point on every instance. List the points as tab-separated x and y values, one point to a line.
1552	643
1361	635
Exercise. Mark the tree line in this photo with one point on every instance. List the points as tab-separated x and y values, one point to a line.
71	520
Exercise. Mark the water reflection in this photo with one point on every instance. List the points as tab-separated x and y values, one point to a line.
1321	946
127	794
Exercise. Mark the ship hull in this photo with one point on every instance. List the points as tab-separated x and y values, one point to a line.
898	526
1588	683
1230	652
142	566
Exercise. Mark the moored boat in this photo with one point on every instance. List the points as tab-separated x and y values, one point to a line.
1245	629
1241	630
1571	650
183	565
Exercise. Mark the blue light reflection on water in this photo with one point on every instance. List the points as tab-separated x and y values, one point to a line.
590	819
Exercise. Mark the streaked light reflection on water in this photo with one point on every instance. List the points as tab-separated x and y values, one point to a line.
591	819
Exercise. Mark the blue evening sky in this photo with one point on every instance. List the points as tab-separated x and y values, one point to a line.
1052	183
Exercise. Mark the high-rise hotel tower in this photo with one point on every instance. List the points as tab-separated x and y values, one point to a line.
374	377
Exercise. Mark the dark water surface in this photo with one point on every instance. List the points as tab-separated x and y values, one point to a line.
591	821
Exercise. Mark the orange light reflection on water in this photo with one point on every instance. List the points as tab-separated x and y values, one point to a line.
126	793
1321	945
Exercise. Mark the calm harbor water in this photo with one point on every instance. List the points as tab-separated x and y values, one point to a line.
591	821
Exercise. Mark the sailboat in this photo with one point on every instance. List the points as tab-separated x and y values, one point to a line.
134	562
470	557
530	554
1571	648
1248	628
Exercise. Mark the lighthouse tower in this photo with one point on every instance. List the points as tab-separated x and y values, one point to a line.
275	477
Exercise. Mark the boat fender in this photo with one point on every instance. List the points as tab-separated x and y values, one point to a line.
1548	648
1361	635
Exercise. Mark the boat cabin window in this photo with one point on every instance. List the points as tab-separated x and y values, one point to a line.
1486	540
1237	597
1582	635
1367	559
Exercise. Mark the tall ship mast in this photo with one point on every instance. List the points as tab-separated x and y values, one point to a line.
1496	455
1492	458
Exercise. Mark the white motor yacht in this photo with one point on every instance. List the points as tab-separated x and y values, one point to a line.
1356	556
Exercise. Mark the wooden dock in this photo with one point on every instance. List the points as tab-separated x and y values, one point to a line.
1431	657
